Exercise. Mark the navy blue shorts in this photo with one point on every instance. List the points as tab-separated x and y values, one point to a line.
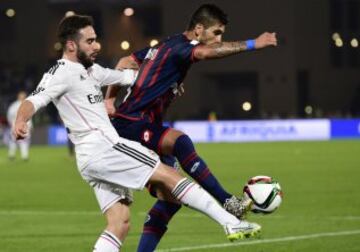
148	134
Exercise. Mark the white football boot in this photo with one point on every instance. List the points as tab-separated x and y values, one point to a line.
242	230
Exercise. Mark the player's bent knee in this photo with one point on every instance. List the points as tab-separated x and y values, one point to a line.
169	141
165	176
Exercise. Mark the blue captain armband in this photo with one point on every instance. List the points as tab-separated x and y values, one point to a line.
250	44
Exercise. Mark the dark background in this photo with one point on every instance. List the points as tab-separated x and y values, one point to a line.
306	69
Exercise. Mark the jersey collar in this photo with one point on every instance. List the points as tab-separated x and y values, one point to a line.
76	65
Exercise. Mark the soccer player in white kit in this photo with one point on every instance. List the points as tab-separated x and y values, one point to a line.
110	164
23	144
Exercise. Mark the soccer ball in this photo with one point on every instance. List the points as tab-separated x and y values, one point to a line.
265	193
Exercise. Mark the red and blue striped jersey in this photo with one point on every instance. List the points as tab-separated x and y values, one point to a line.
162	69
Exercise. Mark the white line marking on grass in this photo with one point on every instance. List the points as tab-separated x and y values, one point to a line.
350	218
271	240
180	215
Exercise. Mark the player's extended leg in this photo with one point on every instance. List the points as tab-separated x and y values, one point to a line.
181	146
158	217
118	224
192	195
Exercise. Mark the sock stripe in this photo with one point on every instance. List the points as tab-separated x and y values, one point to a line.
180	187
111	241
106	238
112	237
163	215
188	159
154	230
188	189
204	174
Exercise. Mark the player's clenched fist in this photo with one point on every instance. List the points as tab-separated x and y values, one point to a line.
20	130
266	39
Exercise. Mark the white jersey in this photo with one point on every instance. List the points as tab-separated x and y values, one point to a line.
12	112
76	93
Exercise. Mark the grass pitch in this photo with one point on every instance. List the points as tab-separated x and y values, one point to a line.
46	207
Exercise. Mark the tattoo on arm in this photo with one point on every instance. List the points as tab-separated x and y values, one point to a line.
134	65
223	49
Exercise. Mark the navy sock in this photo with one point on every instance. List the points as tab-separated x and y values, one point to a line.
156	224
193	165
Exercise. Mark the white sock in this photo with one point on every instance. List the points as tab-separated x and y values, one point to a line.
12	148
107	242
192	195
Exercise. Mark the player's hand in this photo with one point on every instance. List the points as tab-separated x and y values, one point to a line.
20	130
266	39
109	105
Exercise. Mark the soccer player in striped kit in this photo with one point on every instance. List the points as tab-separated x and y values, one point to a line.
112	165
162	70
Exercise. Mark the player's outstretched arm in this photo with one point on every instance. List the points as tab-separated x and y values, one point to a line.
127	62
124	63
26	111
223	49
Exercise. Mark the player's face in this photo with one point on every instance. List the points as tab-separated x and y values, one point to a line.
87	46
212	34
21	96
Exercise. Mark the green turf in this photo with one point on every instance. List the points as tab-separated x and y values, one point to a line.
46	207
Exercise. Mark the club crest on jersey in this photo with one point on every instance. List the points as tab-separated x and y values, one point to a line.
151	54
147	135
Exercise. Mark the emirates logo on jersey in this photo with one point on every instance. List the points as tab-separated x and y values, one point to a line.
147	135
96	98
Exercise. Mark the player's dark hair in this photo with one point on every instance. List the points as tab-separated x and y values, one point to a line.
69	27
207	15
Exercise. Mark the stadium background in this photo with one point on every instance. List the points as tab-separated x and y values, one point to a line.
312	74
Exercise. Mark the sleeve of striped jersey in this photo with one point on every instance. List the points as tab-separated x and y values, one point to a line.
124	77
48	89
140	55
185	51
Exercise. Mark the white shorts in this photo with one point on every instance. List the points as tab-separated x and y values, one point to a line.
107	195
127	165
